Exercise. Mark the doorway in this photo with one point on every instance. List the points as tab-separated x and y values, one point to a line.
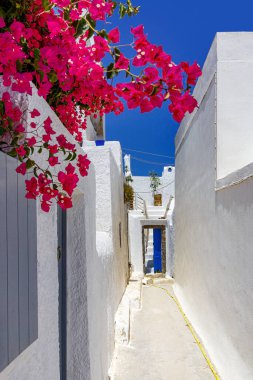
154	249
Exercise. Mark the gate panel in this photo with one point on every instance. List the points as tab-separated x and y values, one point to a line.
18	264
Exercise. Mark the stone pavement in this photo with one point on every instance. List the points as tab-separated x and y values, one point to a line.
161	346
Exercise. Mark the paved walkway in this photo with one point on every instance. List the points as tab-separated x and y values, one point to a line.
161	346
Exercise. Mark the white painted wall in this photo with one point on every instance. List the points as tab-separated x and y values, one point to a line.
167	188
135	242
234	101
108	263
141	185
213	242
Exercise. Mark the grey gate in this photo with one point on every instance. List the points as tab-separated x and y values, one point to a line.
18	264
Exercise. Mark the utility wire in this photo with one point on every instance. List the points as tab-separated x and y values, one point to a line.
149	162
159	188
151	154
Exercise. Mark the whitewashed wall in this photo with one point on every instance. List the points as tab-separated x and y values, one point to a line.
141	185
167	188
214	217
108	264
135	242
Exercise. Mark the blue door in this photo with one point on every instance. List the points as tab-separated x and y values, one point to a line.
157	234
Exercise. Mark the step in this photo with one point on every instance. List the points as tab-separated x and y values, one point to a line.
150	251
149	257
154	212
155	207
149	263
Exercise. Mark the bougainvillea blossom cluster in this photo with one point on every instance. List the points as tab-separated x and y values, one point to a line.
55	44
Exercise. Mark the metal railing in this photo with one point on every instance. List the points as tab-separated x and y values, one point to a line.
167	208
140	204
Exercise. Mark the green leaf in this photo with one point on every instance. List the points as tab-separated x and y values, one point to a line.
46	4
111	72
40	150
2	132
35	171
29	163
74	157
68	157
122	10
103	34
48	173
41	75
36	53
80	27
91	32
12	153
52	76
116	52
2	108
154	91
19	66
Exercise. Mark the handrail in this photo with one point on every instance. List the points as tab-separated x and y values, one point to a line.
140	204
167	208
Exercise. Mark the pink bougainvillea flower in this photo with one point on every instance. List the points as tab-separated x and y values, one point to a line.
74	14
32	188
22	83
114	35
151	75
193	71
34	113
177	111
19	128
45	206
70	169
53	149
2	23
53	160
138	31
100	8
31	141
64	202
43	181
83	163
68	181
122	62
21	151
21	169
146	106
17	29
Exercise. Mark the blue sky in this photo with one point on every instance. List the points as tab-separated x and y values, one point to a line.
185	29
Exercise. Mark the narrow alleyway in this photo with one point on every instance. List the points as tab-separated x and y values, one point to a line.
161	346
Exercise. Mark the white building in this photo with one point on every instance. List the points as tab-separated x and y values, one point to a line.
141	184
214	207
